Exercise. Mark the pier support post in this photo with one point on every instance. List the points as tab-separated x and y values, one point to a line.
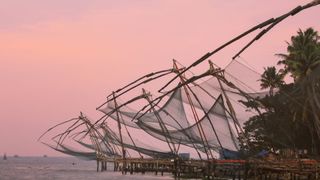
131	167
97	165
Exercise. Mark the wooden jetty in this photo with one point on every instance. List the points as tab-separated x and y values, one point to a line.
217	169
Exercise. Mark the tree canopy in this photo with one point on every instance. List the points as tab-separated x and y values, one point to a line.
290	118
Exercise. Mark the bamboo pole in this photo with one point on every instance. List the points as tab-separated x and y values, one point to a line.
162	125
120	133
195	115
272	22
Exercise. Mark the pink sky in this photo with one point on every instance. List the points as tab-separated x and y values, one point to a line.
61	57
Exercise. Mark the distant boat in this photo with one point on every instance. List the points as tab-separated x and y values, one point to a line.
16	156
5	156
45	156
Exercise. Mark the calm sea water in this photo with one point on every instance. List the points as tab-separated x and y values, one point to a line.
34	168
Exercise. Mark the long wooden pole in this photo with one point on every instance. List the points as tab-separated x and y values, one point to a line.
195	115
162	125
272	22
120	133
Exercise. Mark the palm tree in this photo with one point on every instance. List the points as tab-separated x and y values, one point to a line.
303	63
303	54
292	114
271	79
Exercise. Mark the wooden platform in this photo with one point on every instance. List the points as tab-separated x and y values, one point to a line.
214	169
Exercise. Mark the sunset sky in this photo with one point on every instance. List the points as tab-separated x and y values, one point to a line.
64	56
